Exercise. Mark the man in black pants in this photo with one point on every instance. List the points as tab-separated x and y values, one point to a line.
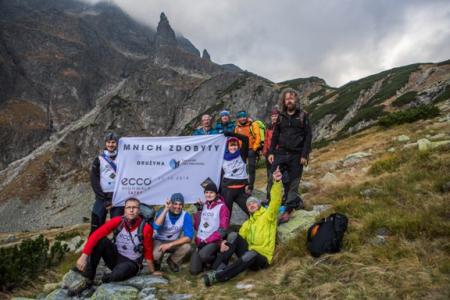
255	243
290	147
124	255
103	177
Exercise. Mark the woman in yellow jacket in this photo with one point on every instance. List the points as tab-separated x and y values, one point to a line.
255	243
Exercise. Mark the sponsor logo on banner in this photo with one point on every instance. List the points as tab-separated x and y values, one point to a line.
173	164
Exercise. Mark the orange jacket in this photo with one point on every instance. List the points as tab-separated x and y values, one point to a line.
253	135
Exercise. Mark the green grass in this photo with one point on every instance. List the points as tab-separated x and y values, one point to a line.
64	236
397	79
318	93
413	260
405	99
410	115
394	79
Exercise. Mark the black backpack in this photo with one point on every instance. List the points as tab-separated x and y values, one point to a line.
326	235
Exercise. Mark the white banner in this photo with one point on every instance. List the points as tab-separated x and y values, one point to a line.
153	168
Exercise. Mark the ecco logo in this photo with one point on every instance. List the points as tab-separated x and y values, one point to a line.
136	181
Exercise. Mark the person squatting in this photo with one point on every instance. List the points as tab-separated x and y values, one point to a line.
173	234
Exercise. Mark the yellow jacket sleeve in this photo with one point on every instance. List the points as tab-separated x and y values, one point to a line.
276	195
244	230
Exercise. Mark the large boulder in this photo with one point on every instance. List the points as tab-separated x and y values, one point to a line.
329	178
144	281
113	291
424	145
403	138
355	158
300	220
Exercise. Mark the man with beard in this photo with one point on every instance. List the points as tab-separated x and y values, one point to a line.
290	147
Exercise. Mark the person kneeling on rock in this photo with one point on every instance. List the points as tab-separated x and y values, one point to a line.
170	223
124	255
255	243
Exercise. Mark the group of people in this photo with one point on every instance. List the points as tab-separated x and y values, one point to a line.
286	148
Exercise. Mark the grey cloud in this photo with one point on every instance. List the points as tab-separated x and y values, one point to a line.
338	40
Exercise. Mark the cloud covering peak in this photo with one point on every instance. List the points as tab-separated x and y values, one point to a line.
333	39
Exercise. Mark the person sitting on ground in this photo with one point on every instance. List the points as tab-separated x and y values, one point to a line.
124	255
103	177
250	129
235	178
205	129
255	243
174	232
211	222
224	124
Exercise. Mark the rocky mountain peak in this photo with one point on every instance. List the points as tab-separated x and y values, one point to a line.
206	55
165	36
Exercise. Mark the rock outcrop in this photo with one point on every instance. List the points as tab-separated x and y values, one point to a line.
205	55
165	36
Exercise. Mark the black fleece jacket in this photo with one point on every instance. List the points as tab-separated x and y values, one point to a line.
293	134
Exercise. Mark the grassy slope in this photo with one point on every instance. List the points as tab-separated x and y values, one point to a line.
413	262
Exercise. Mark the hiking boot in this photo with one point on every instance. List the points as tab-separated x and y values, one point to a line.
77	289
209	278
172	265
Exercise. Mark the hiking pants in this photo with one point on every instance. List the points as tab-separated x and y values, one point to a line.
247	259
270	179
235	195
200	257
121	267
177	252
290	166
251	167
99	213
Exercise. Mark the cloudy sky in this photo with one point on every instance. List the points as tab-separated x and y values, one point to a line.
337	40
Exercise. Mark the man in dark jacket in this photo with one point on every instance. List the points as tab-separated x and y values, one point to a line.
224	124
290	147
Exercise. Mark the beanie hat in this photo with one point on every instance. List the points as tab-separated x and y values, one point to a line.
177	197
252	199
211	187
111	136
242	114
275	111
224	113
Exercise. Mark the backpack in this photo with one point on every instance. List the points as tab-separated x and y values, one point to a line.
326	235
262	129
147	214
